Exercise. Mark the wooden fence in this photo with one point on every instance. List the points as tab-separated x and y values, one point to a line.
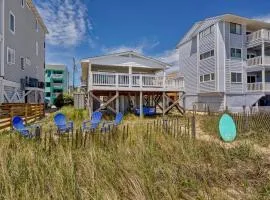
176	128
29	112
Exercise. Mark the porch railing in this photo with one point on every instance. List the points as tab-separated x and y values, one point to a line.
259	86
134	81
258	61
262	34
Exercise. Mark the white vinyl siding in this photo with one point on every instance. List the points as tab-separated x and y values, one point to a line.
37	46
36	25
10	56
12	24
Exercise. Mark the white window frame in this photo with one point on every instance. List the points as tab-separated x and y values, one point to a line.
206	31
202	77
13	58
236	25
22	67
234	50
237	82
9	24
211	54
22	3
37	48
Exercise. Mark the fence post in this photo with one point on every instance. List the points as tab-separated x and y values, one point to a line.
193	126
245	119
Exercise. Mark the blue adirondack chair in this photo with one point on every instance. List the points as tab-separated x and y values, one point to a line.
62	124
92	124
107	125
147	111
18	125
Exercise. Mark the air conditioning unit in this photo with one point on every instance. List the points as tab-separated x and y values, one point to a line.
23	84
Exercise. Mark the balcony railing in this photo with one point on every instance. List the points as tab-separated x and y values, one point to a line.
114	80
258	61
258	87
57	76
262	34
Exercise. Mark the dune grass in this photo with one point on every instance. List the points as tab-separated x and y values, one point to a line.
160	167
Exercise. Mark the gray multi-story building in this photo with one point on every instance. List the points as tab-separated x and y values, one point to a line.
22	52
225	61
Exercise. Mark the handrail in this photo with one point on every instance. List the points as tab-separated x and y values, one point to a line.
97	79
259	35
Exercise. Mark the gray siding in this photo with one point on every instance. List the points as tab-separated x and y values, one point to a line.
215	103
24	43
188	65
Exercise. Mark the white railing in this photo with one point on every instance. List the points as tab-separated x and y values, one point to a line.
262	34
254	61
57	76
254	87
118	80
258	61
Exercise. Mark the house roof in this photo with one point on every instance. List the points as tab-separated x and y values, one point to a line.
127	54
201	25
37	15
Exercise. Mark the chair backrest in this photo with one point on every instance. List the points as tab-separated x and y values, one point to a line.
17	123
118	118
96	116
60	119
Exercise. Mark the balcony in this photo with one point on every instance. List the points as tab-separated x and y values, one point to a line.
134	82
259	61
258	36
57	86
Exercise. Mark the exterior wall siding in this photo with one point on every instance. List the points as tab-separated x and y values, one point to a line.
188	65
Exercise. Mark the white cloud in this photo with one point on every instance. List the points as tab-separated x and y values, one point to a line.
67	21
265	18
140	47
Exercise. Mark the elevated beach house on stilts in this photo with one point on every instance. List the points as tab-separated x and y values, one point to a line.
127	81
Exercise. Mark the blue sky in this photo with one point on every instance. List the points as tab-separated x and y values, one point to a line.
85	28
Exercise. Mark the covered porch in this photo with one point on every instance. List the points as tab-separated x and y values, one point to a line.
258	81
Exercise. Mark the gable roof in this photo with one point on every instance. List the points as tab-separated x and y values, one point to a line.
37	15
126	54
201	25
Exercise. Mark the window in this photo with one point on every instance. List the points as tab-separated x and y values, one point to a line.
206	77
207	55
10	56
22	62
201	79
28	61
22	3
48	94
11	22
212	76
236	53
236	77
206	31
236	28
36	25
48	84
36	48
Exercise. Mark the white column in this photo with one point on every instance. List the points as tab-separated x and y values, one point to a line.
263	53
141	104
90	77
263	79
130	76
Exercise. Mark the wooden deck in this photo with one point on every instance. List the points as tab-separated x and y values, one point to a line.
99	81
